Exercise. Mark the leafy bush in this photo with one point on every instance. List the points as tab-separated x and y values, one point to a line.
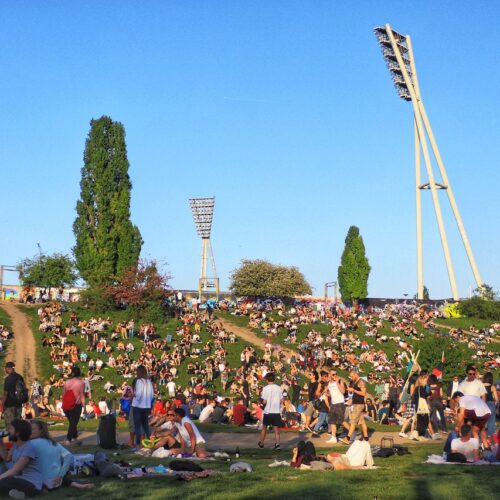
96	299
477	307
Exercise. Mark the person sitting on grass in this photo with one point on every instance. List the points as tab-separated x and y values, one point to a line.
24	475
464	445
166	433
55	460
192	441
383	413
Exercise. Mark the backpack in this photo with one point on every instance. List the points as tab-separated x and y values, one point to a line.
106	432
20	392
68	400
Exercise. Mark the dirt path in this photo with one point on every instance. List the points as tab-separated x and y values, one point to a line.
22	350
249	336
495	339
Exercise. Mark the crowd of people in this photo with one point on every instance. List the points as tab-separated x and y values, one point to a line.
295	381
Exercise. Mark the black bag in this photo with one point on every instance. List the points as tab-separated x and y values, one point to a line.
317	404
184	465
458	458
20	392
384	452
106	432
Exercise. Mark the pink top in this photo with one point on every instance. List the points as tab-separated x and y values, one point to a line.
77	385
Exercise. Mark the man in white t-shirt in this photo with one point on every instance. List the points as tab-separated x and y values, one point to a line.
474	411
272	396
206	413
190	437
472	386
171	388
467	446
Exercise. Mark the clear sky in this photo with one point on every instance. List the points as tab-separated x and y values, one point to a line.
283	110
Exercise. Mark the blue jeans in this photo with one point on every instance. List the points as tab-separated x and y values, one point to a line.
490	429
322	419
451	436
141	424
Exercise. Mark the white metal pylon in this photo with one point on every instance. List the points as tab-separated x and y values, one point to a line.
398	53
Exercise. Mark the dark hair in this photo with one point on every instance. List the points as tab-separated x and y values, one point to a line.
432	379
180	411
44	431
457	394
270	377
75	371
142	372
23	427
465	430
470	367
488	378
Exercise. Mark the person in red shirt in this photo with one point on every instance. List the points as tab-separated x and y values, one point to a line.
240	413
159	409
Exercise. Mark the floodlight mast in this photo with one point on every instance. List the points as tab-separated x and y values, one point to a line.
398	54
203	210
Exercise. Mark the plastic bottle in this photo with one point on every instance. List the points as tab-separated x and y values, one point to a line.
237	453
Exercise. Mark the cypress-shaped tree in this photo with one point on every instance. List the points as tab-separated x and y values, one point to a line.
354	268
106	240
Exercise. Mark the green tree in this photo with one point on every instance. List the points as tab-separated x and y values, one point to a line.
259	278
47	271
106	240
354	268
432	347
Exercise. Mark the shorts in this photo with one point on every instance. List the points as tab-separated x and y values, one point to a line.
341	462
476	421
309	411
175	446
11	413
356	416
131	427
273	419
336	415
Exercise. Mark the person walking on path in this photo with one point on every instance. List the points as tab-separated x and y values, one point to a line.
142	403
272	397
357	388
73	401
13	399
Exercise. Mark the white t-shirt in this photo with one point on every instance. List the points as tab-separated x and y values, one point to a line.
359	454
143	393
171	388
272	395
467	448
474	403
103	407
205	413
184	433
336	395
474	388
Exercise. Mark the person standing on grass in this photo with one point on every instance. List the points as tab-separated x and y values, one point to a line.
73	401
337	389
272	397
11	405
358	390
142	403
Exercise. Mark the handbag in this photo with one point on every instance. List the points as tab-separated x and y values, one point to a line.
423	407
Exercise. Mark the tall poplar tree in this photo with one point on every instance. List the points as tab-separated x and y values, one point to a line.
107	242
354	268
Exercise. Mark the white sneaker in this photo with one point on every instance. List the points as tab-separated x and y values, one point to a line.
332	440
403	435
17	494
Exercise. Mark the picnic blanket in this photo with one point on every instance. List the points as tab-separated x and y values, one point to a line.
439	460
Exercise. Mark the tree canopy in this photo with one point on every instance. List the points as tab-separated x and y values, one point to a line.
47	271
106	240
259	278
354	268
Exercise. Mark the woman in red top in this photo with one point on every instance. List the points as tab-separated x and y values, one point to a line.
74	407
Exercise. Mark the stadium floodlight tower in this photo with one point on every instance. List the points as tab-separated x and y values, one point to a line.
203	211
398	54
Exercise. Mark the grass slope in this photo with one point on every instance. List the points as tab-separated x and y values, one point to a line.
5	321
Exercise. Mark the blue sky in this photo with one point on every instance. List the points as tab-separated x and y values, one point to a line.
282	110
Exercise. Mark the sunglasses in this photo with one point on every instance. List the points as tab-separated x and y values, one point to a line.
170	414
471	373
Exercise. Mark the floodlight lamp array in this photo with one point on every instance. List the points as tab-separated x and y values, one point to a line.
392	60
203	210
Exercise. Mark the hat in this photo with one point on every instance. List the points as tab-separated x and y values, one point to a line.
10	364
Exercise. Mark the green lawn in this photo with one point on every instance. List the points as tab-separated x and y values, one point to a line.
396	477
5	321
465	323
